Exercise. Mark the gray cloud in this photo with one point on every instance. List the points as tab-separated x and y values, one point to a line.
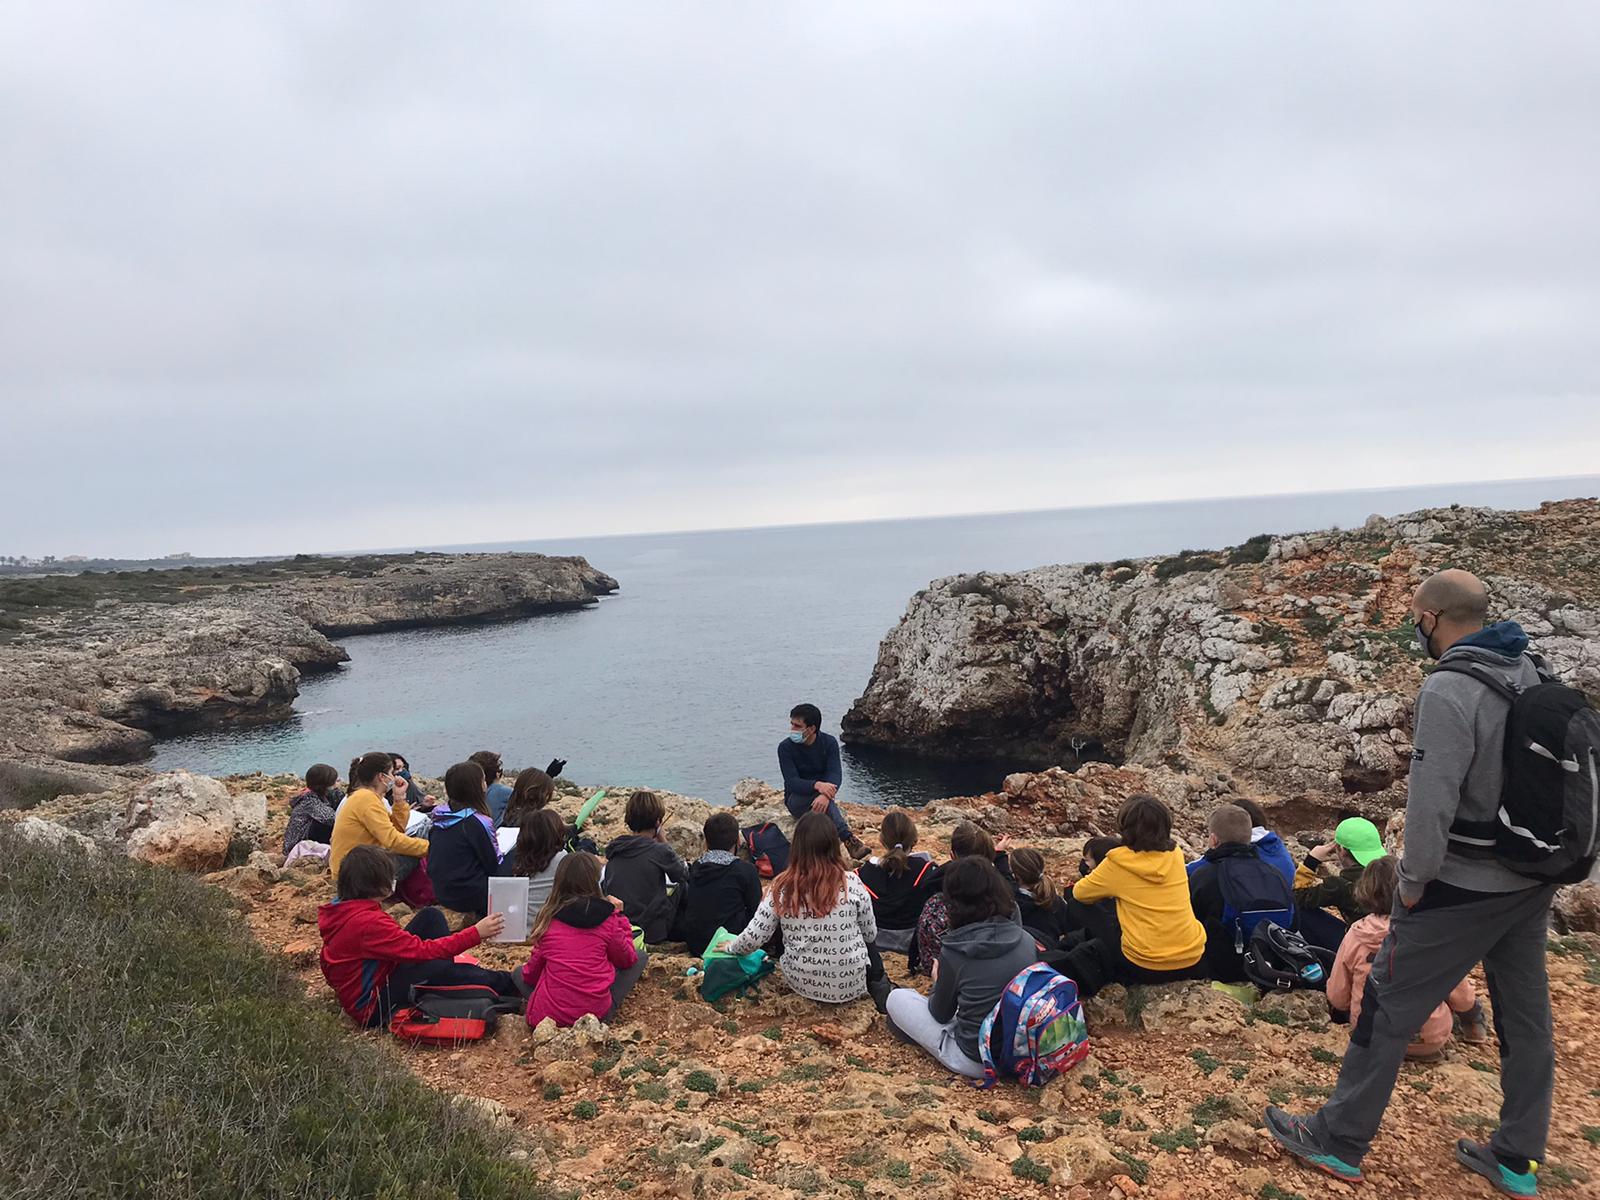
328	275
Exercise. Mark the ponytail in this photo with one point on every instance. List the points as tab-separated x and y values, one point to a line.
1027	866
898	834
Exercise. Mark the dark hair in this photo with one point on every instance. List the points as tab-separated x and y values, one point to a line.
975	891
321	777
399	758
1374	891
368	767
722	831
1258	815
578	876
489	761
366	873
532	790
807	714
1028	868
466	786
644	812
898	833
814	880
1098	847
967	840
540	839
1145	824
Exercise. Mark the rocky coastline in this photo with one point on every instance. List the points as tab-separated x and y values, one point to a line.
99	679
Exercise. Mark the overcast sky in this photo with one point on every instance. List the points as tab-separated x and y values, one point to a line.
281	277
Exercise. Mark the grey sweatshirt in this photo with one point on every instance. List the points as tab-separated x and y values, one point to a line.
975	964
1456	772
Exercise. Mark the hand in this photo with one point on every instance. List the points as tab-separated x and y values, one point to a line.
827	790
1003	844
1325	851
557	765
820	804
933	971
491	926
615	903
397	789
429	800
1410	902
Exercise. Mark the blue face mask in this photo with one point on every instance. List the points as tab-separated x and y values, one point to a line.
797	737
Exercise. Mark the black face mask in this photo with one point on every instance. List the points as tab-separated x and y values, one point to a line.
1083	866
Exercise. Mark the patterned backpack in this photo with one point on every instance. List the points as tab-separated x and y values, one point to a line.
1036	1031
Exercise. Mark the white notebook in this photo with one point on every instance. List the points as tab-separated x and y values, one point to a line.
506	838
509	895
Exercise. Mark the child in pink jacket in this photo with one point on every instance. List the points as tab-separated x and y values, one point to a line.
583	959
1375	892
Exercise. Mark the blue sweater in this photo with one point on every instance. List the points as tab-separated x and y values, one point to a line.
805	766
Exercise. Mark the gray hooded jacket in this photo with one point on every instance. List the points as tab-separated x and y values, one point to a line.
1456	769
975	963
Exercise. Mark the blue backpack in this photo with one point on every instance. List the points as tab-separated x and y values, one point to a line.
768	849
1036	1031
1253	891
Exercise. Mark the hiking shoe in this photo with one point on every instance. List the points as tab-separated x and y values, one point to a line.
857	849
1475	1156
1474	1026
879	990
1294	1135
1426	1058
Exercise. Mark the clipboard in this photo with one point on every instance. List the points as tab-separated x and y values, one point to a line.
508	894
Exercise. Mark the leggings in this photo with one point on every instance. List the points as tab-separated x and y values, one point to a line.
396	990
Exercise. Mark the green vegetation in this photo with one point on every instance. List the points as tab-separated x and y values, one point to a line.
650	1089
1271	1191
1318	1054
143	1028
987	1117
1204	1060
898	1169
1138	1168
773	1032
701	1081
1252	551
751	1086
586	1110
751	1134
553	1091
1591	1134
1032	1133
1210	1110
604	1063
1185	562
1110	1117
1026	1168
1562	1175
1170	1139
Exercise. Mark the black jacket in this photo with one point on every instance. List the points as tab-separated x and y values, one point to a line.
637	870
1260	886
461	857
720	896
897	900
1051	922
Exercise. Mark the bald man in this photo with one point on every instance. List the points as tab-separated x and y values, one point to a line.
1454	911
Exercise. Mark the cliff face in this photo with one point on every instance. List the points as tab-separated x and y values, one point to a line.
96	684
1285	665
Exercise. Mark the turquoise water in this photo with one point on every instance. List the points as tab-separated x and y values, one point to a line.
685	678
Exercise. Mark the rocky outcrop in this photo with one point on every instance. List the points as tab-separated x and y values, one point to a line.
98	685
1283	666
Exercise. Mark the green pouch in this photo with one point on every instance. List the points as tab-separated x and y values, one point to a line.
723	973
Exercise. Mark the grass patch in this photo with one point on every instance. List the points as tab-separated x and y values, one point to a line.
987	1117
1562	1175
143	1027
1185	562
898	1169
805	1073
1204	1060
1210	1110
1477	1065
553	1091
1327	1057
701	1081
773	1033
1111	1117
1170	1139
1138	1168
1027	1168
1271	1191
650	1089
751	1134
1032	1133
587	1110
604	1063
751	1086
1591	1134
1238	1073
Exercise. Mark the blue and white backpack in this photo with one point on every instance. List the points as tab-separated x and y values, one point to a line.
1036	1031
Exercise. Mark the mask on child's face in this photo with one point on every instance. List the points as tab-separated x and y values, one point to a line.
1083	866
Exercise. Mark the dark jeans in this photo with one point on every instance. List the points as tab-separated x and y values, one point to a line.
396	990
1321	928
1098	962
799	806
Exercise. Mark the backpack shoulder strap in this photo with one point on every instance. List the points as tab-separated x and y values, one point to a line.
1508	692
926	867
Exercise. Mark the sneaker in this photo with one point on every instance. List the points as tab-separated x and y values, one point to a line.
1475	1156
1294	1135
1474	1026
857	849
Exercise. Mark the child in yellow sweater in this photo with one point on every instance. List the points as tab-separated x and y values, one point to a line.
363	819
1161	939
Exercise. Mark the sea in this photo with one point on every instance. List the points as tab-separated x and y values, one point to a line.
683	680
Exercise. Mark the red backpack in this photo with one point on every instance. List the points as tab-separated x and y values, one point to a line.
451	1013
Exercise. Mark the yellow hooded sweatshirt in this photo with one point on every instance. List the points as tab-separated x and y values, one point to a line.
363	821
1151	888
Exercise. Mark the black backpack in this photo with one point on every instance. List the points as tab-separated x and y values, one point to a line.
1253	891
1280	960
768	848
1549	819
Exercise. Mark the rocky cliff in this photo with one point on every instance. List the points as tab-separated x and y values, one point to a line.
95	681
1283	667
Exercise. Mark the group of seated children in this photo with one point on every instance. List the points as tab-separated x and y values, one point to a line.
1137	914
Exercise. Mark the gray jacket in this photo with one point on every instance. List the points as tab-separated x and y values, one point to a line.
1456	772
975	964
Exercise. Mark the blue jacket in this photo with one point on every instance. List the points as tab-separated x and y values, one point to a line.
499	797
461	857
1271	849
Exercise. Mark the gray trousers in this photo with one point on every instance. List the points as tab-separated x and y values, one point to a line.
623	984
1425	955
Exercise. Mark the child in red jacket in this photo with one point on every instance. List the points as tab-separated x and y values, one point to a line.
584	959
372	964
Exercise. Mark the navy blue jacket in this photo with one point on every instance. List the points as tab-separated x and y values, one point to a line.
461	857
805	766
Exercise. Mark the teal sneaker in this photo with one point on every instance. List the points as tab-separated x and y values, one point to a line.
1475	1156
1294	1135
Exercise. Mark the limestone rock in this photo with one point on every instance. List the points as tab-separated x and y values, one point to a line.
48	833
1190	1007
1294	1010
190	821
1577	908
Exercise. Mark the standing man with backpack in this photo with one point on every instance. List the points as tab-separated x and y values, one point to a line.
812	773
1502	772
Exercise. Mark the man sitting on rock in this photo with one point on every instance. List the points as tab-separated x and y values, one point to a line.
812	773
1456	909
1233	891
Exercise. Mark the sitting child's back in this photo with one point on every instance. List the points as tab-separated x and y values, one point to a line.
724	890
582	949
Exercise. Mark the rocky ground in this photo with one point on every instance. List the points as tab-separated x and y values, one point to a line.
93	667
774	1096
1283	667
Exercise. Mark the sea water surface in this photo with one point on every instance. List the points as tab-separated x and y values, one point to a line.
684	679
